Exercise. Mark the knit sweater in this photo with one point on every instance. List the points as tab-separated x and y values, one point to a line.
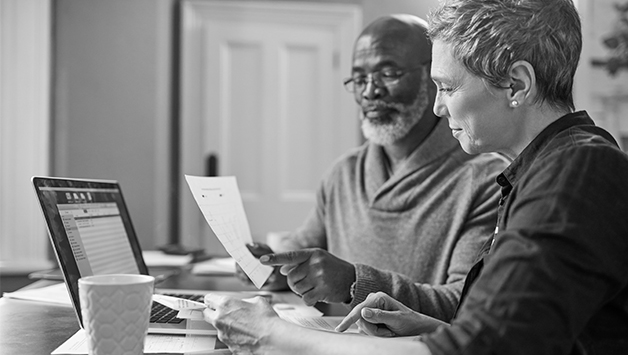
413	235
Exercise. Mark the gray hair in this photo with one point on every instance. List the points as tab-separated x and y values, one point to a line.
488	36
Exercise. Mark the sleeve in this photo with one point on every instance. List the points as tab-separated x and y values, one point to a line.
441	301
559	260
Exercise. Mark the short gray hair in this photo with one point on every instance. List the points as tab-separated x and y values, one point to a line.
488	36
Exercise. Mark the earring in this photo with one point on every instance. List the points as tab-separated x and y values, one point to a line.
514	103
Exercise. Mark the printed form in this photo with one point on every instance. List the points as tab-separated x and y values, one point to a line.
220	202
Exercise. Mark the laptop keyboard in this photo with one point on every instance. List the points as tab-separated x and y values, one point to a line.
162	314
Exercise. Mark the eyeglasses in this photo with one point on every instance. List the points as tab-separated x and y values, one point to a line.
386	77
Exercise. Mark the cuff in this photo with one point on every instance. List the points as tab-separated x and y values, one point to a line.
362	286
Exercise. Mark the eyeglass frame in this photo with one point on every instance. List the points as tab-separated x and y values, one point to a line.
375	77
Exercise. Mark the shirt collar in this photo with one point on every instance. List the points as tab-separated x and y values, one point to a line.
523	161
438	143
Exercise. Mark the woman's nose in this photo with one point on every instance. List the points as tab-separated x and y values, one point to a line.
439	109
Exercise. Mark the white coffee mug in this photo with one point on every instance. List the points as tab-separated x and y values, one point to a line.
116	310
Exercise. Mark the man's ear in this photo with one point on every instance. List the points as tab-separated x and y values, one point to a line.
522	81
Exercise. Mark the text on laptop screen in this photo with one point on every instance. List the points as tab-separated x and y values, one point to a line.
94	228
96	232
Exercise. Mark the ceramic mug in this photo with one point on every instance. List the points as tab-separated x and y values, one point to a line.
116	310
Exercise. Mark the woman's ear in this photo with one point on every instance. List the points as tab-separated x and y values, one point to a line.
522	81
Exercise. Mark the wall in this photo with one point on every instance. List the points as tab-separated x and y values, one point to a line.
24	142
112	102
115	106
376	8
606	93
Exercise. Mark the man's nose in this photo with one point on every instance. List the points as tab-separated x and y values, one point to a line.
371	90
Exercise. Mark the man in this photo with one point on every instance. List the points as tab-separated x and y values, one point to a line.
406	212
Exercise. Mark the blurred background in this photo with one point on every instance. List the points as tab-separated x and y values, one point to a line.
145	91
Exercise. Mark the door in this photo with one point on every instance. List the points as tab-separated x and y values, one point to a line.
262	99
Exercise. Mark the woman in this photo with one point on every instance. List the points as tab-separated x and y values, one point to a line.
555	278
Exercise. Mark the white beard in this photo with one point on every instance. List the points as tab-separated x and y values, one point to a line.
399	124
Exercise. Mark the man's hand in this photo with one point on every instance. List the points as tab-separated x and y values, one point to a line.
276	281
242	324
315	274
383	316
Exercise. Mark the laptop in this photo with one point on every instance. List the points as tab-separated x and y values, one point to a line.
91	233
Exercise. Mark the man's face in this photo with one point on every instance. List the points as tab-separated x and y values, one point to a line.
474	112
389	111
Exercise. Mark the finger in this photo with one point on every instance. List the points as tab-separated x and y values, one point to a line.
297	286
378	330
378	316
366	327
210	315
257	299
287	258
259	249
307	292
214	301
310	298
350	318
285	269
296	273
276	282
373	299
377	321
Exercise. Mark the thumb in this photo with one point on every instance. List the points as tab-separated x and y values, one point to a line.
379	316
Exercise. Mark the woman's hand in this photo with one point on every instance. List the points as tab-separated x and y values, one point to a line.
243	325
383	316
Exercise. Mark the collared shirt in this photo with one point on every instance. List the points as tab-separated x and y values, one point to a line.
556	278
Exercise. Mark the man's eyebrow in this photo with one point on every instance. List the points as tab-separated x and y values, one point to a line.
378	66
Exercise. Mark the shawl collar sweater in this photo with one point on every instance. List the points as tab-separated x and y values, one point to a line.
415	234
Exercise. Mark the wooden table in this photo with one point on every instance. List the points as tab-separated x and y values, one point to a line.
28	327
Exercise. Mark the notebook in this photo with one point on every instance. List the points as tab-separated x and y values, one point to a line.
92	234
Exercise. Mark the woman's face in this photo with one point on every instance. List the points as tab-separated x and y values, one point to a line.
477	113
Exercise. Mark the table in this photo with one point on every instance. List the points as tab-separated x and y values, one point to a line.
33	328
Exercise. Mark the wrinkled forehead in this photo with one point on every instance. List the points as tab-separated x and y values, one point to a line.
370	43
406	47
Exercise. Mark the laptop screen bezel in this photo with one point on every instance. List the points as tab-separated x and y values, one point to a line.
59	238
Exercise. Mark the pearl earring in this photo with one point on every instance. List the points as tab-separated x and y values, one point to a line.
514	103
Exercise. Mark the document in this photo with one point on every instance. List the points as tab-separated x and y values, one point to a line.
156	258
328	324
178	304
153	344
220	202
56	293
302	315
215	267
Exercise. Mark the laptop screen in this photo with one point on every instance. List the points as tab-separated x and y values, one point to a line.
90	229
